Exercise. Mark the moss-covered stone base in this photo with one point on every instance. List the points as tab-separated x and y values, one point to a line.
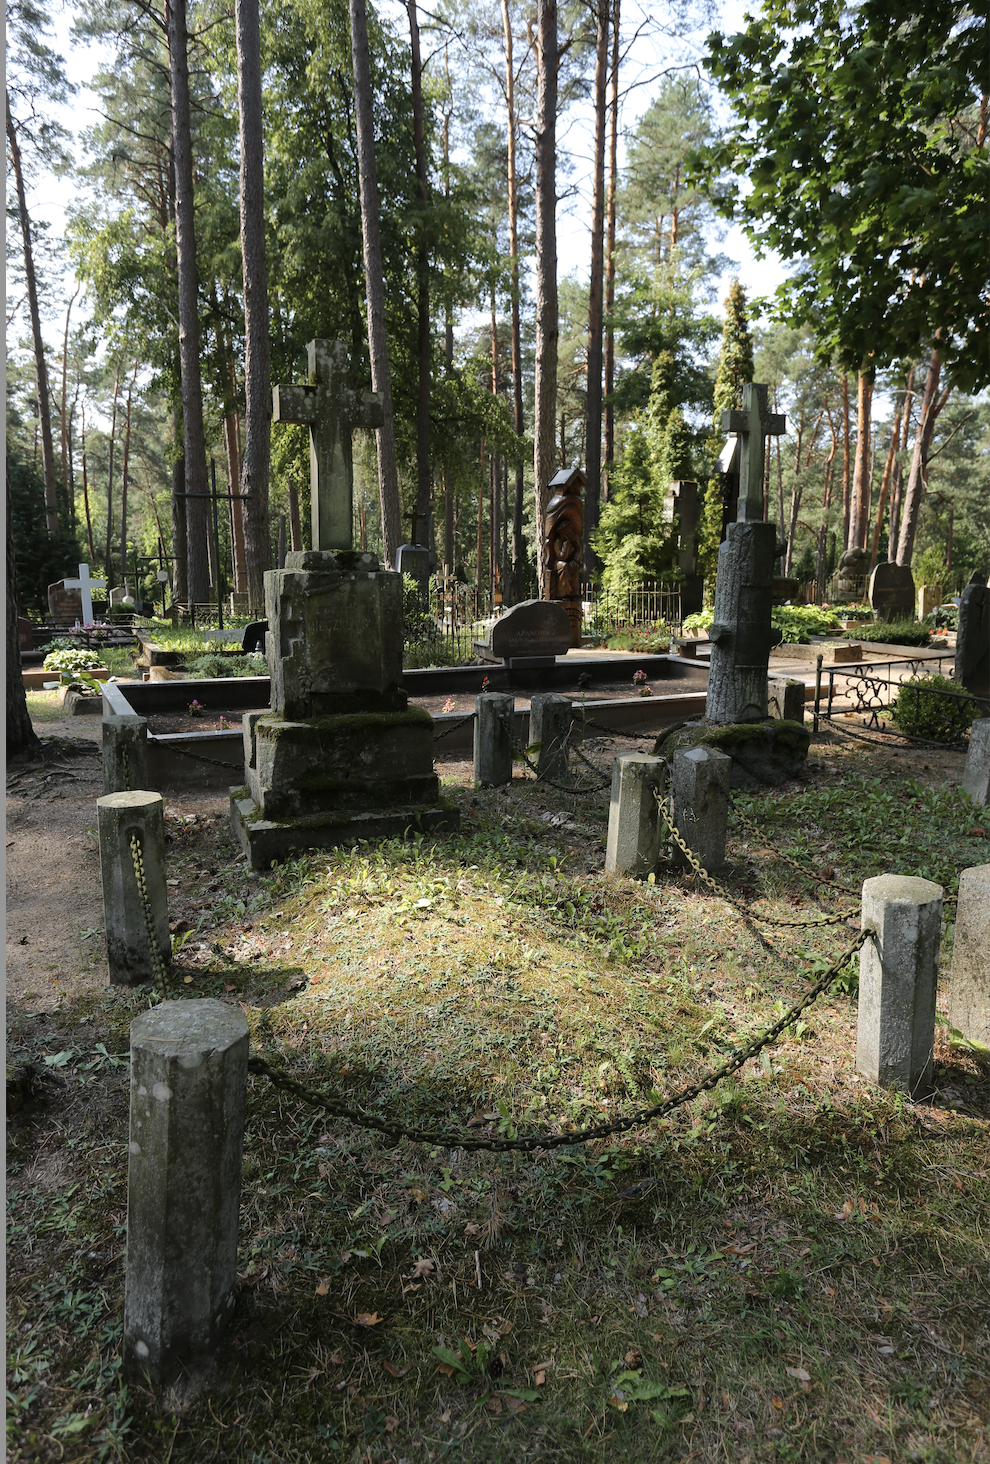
267	842
768	752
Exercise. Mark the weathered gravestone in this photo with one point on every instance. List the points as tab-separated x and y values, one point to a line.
564	544
891	593
741	634
414	560
25	634
682	509
341	756
972	665
976	773
532	631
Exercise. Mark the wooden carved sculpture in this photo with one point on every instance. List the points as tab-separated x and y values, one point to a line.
564	544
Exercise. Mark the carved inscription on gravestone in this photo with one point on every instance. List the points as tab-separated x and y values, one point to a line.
532	628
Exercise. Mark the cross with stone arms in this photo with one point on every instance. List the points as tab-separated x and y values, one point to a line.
85	586
753	425
331	410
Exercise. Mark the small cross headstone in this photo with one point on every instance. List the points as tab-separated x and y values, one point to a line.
85	586
753	425
331	409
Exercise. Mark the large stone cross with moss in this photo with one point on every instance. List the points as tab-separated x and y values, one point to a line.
753	425
331	409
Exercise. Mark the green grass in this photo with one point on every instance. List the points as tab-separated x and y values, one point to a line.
640	1298
44	706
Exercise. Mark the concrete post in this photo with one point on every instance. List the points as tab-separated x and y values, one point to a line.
700	785
134	895
969	982
494	713
549	725
898	966
634	828
785	699
976	773
188	1083
125	754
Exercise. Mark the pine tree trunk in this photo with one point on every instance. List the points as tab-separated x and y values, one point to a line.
21	735
381	381
846	460
593	439
40	367
89	521
917	483
67	494
448	477
180	578
613	180
421	522
860	498
547	329
125	465
518	421
108	558
196	485
257	369
900	420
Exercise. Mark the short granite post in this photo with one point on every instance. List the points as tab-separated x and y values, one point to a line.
785	699
132	864
634	829
125	754
898	966
188	1084
700	784
976	773
494	712
549	725
969	978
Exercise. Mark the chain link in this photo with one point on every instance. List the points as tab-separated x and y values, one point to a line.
450	1140
137	856
786	859
126	760
717	889
454	727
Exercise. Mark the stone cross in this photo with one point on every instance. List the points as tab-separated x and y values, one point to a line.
85	586
753	425
331	410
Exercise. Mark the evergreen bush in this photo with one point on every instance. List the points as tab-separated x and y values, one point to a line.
933	707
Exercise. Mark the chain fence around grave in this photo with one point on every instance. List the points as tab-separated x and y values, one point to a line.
914	704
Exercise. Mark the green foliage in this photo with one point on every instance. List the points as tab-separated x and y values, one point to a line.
895	633
70	660
214	665
933	707
857	135
41	559
796	622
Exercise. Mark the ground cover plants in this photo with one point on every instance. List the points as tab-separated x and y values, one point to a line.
794	1267
796	623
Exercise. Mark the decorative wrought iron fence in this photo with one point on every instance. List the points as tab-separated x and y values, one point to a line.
869	694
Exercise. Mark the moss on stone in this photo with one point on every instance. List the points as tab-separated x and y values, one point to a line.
349	724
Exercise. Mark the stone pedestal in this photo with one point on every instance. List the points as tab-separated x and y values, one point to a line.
972	665
494	718
634	828
125	754
898	966
700	785
341	756
132	866
741	634
785	699
969	981
976	773
550	725
188	1084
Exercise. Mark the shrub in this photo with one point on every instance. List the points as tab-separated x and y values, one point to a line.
895	633
795	622
219	665
71	659
924	709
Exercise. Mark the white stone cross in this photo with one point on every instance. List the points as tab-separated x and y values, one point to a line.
85	586
330	409
753	425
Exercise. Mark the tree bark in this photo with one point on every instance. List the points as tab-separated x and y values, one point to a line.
421	522
256	461
123	481
822	546
547	327
194	439
593	438
845	462
900	420
613	180
66	456
481	517
931	406
21	735
40	367
180	578
89	521
388	475
862	475
518	547
108	558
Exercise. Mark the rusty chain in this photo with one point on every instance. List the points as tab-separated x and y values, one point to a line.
450	1140
786	859
137	857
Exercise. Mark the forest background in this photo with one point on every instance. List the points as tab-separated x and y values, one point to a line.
488	120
